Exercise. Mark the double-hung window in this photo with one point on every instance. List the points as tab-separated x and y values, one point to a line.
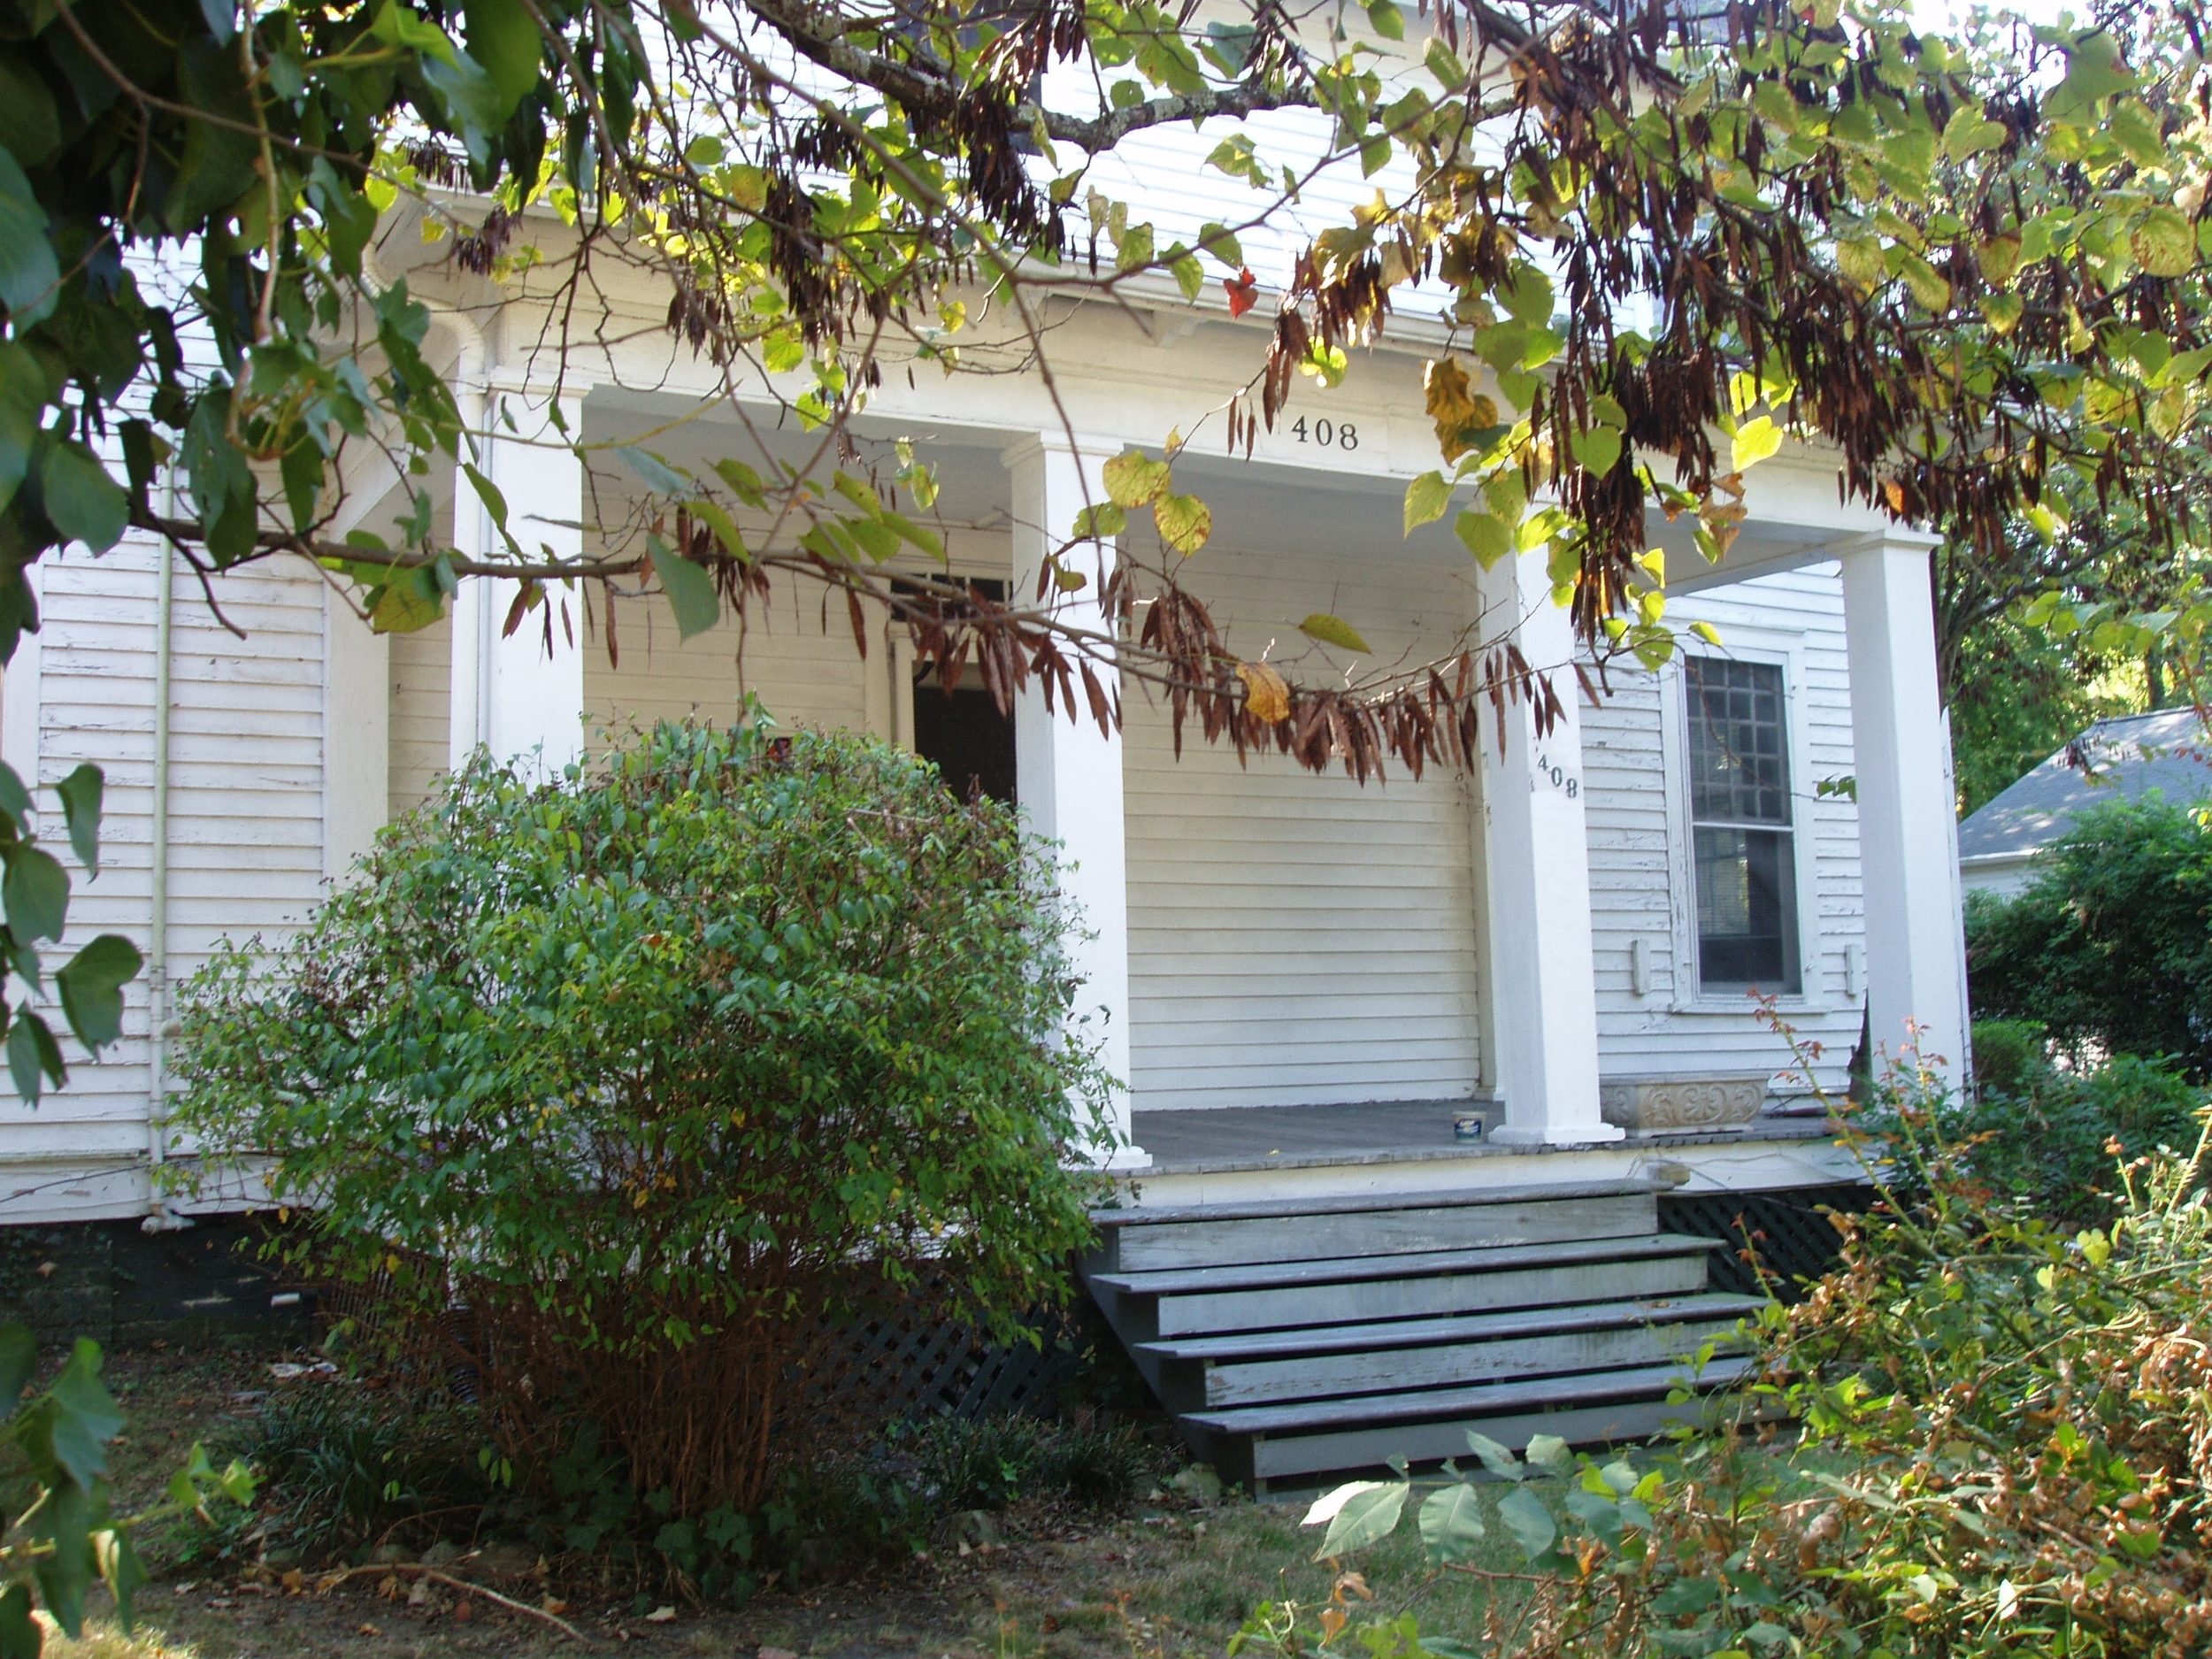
1744	842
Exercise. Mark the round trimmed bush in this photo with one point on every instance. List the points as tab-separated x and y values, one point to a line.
625	1088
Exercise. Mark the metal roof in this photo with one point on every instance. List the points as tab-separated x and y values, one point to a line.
2119	759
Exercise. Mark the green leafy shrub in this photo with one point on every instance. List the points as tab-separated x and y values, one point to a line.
2111	947
2005	1450
624	1089
2048	1135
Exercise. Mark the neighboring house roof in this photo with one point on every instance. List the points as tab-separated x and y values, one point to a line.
2121	759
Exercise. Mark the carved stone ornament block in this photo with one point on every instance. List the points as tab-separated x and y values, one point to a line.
1682	1105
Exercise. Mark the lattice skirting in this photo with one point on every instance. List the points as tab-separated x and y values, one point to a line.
1792	1238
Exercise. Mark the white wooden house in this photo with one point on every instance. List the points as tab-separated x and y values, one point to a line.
1306	983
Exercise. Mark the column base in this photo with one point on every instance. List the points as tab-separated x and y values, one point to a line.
1557	1135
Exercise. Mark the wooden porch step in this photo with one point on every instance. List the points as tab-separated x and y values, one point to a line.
1266	1275
1295	1337
1536	1343
1140	1240
1262	1295
1395	1334
1463	1407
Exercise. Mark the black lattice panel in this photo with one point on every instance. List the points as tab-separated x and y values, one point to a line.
1791	1238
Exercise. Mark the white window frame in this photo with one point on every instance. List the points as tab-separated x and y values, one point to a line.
1783	649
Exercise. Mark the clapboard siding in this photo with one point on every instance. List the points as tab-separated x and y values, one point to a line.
803	665
421	713
245	820
1637	879
1297	940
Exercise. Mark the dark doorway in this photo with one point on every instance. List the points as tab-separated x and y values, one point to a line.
962	732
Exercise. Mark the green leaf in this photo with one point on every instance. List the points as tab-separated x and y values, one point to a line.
21	1638
1135	250
1924	281
22	397
124	1572
1530	1522
15	800
489	494
1427	498
2135	129
80	499
1485	535
1386	20
66	1572
1755	441
1368	1513
32	1052
18	1358
1969	135
1185	522
1451	1523
658	476
35	890
87	1418
397	25
744	482
1528	296
690	590
1133	478
1497	1459
1598	449
725	527
30	277
1190	276
1331	630
1548	1451
81	793
91	987
504	37
1099	520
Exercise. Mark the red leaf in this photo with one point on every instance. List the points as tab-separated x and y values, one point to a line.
1243	290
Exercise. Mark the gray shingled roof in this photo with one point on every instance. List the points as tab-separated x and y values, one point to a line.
2121	759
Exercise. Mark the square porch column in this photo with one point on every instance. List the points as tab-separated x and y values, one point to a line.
1915	953
510	694
1066	776
1542	978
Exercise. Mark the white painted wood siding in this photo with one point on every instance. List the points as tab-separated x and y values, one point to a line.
1637	878
421	713
1298	940
245	822
800	659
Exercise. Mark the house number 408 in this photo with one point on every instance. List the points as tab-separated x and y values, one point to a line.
1341	435
1550	772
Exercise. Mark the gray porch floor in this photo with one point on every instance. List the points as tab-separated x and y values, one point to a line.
1402	1131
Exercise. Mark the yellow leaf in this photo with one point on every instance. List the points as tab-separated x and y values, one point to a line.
2165	244
1266	693
1756	440
1459	411
1924	282
1185	522
1133	478
1859	258
1426	498
1331	630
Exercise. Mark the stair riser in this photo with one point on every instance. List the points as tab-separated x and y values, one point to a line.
1419	1298
1188	1386
1382	1233
1352	1451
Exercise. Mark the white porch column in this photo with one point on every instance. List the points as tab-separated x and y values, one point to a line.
1915	961
509	694
1068	777
1542	979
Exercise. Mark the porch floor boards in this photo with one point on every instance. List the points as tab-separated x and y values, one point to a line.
1218	1140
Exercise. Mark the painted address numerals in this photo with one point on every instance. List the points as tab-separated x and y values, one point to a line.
1550	770
1329	434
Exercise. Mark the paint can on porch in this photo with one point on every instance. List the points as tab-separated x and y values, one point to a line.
1467	1126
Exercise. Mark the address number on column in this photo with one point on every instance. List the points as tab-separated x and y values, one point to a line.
1550	772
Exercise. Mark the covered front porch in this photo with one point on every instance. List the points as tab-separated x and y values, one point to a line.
1303	982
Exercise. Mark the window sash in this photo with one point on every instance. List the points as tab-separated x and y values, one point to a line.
1743	840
